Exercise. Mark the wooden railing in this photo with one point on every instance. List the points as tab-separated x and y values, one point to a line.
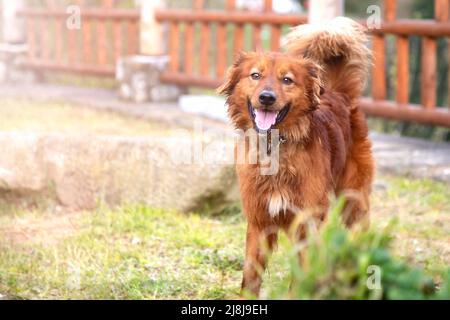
106	33
429	31
214	54
202	44
181	70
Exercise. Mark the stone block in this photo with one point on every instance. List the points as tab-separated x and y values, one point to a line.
139	78
83	171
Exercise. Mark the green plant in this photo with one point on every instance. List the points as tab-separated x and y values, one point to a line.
343	264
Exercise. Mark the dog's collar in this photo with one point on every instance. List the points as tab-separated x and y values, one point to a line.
281	140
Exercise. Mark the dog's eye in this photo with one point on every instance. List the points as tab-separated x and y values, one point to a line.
287	81
255	76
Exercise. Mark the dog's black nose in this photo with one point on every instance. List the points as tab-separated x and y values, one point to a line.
267	98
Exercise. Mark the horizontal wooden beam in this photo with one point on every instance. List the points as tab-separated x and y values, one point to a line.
182	15
381	108
408	112
183	79
410	27
405	27
125	14
95	70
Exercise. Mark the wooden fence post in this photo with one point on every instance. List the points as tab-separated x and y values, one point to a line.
140	75
14	43
322	10
152	40
13	26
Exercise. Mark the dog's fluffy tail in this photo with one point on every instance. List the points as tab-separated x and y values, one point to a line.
339	47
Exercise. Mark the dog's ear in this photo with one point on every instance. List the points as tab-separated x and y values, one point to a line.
233	75
314	88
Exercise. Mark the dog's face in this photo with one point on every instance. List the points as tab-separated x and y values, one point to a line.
268	91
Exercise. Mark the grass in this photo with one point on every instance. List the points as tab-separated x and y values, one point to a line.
422	208
130	253
28	116
135	252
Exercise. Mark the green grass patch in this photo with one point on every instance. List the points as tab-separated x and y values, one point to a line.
135	252
130	253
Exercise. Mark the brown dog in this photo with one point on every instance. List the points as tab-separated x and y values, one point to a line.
310	95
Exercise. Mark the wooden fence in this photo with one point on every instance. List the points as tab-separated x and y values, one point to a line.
105	34
201	44
187	46
429	31
181	70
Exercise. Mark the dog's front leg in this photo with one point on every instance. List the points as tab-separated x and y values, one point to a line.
259	244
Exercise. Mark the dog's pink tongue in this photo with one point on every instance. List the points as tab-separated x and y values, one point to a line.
265	119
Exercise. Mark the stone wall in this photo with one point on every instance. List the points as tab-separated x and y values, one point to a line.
83	171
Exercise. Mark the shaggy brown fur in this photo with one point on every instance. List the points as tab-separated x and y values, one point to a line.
325	147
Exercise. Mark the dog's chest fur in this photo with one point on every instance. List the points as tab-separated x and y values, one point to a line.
290	187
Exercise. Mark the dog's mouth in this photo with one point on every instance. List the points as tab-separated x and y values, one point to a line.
265	120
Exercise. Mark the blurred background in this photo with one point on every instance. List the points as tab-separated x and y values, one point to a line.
101	34
109	120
